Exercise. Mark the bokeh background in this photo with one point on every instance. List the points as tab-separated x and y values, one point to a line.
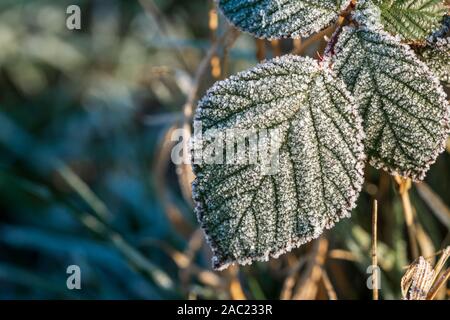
86	118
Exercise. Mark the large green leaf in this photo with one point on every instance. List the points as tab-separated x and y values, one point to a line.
404	108
412	19
282	18
249	214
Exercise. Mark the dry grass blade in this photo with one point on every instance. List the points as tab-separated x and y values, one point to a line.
435	203
374	251
328	285
236	291
340	254
439	284
425	243
187	267
441	263
289	282
417	281
421	281
403	188
308	284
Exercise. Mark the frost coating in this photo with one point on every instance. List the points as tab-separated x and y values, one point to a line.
368	15
249	216
403	106
411	19
274	19
441	32
437	57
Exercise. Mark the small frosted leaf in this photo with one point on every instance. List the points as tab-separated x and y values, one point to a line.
404	108
274	19
250	215
368	15
442	31
437	57
413	20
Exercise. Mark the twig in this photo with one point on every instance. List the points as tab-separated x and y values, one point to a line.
403	187
297	44
179	222
328	285
289	282
187	267
314	38
260	49
421	281
152	9
428	258
374	251
340	254
236	291
213	23
185	174
439	284
307	285
441	263
276	47
425	243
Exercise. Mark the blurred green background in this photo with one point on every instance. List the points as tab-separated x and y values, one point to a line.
86	176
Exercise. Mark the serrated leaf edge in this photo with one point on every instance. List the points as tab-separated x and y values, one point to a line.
343	213
343	6
419	174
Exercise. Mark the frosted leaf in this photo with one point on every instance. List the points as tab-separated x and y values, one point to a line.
274	19
368	15
411	19
248	215
442	32
437	57
404	109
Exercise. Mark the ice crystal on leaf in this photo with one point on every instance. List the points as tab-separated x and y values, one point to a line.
413	20
442	32
282	18
403	106
367	81
368	15
437	57
248	215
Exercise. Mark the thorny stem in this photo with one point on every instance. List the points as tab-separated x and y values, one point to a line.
344	19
